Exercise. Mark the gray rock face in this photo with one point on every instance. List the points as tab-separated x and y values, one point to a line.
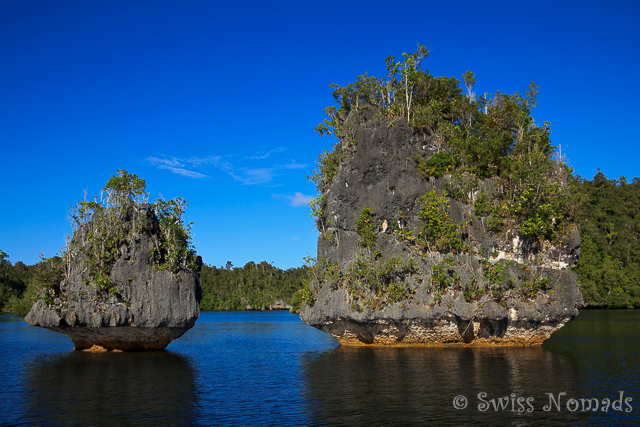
147	308
378	171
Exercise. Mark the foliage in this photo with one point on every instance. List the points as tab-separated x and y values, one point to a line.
463	186
496	277
20	284
499	139
316	272
326	168
609	222
371	282
124	189
49	273
437	165
374	283
481	205
497	283
443	277
177	250
14	279
21	305
317	212
473	291
440	232
316	206
534	285
256	285
366	229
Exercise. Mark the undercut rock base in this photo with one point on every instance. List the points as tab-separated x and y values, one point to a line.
122	338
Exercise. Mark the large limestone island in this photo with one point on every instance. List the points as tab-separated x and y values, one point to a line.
444	218
128	279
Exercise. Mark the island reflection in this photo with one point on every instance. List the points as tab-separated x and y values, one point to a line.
81	388
413	385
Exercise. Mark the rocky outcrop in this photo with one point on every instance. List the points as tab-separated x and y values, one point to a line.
501	288
143	307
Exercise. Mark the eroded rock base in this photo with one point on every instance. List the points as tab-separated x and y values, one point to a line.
122	338
443	332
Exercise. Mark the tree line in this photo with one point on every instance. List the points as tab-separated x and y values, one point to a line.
254	286
609	221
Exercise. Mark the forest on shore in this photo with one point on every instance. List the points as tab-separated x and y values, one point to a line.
608	218
255	286
608	270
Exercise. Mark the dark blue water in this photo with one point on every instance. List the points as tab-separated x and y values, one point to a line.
270	369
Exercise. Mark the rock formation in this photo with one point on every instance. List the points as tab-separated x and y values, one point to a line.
375	283
133	301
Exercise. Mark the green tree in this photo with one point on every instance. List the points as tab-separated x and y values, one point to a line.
14	281
609	222
254	285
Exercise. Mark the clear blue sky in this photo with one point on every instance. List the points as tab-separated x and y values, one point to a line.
216	102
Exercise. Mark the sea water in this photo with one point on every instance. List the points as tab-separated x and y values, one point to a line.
269	368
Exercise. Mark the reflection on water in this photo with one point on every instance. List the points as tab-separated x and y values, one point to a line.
83	388
399	386
417	386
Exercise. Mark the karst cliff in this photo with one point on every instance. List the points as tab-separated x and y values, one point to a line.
126	281
419	245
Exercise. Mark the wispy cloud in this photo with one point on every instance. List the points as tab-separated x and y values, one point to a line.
264	154
166	162
245	175
184	166
255	176
183	172
292	165
294	239
298	199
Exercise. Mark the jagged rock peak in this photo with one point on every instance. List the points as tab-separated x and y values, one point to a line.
127	280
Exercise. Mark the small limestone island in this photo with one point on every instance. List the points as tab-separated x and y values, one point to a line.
128	278
445	218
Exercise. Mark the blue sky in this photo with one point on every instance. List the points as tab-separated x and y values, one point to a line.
217	102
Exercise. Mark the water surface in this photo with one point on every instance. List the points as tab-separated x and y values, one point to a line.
266	368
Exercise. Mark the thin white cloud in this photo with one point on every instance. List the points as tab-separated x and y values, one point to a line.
166	162
294	239
246	175
183	172
255	176
178	166
197	161
265	154
293	165
298	199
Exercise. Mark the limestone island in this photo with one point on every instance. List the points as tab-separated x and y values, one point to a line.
128	278
444	218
